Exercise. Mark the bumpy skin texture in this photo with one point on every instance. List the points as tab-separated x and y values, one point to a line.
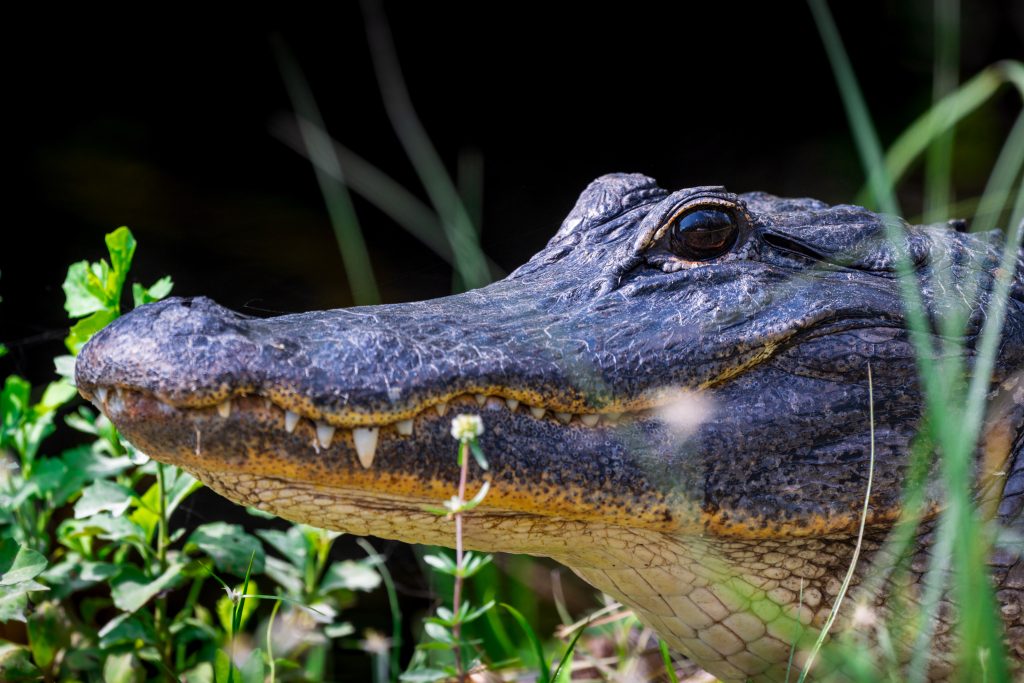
698	444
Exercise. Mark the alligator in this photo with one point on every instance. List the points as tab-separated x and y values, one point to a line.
675	401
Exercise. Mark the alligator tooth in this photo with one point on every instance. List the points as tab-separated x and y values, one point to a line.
365	439
324	434
290	420
404	427
512	403
224	408
590	420
441	408
537	412
267	403
612	417
480	399
101	394
564	417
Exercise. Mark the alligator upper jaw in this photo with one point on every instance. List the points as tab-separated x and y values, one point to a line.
256	453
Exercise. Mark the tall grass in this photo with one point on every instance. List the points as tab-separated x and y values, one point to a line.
955	390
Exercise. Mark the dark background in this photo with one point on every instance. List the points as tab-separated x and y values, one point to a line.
163	125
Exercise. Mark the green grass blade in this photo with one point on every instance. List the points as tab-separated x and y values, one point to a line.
544	673
834	612
879	180
917	137
666	656
1000	186
469	262
378	188
938	191
563	672
342	214
395	651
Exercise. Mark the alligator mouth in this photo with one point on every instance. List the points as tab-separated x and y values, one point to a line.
360	431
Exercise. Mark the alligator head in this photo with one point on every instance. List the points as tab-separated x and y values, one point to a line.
674	395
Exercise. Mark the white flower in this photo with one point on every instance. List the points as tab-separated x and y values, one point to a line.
467	427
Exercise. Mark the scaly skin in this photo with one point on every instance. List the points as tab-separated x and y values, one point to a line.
690	437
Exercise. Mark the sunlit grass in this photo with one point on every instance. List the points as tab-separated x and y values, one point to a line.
955	392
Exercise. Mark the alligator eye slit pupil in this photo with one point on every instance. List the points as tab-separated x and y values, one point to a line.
703	234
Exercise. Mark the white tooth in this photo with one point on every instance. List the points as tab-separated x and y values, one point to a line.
612	417
365	439
224	408
290	420
324	434
537	412
590	420
564	417
267	403
101	394
441	408
480	399
404	427
512	403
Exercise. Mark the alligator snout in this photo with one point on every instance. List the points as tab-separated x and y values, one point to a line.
187	351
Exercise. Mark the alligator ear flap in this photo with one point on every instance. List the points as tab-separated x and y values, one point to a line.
606	198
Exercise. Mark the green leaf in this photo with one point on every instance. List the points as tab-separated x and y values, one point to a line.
286	575
16	664
254	669
47	475
292	544
473	563
57	394
339	630
478	454
229	546
132	588
83	293
19	563
121	245
441	562
83	330
103	496
65	367
350	575
104	526
14	406
223	669
48	633
147	295
14	600
122	668
469	615
178	485
441	634
133	629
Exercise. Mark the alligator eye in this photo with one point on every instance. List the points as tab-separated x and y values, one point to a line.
703	234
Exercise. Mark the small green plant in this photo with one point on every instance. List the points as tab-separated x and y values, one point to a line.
445	629
89	561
